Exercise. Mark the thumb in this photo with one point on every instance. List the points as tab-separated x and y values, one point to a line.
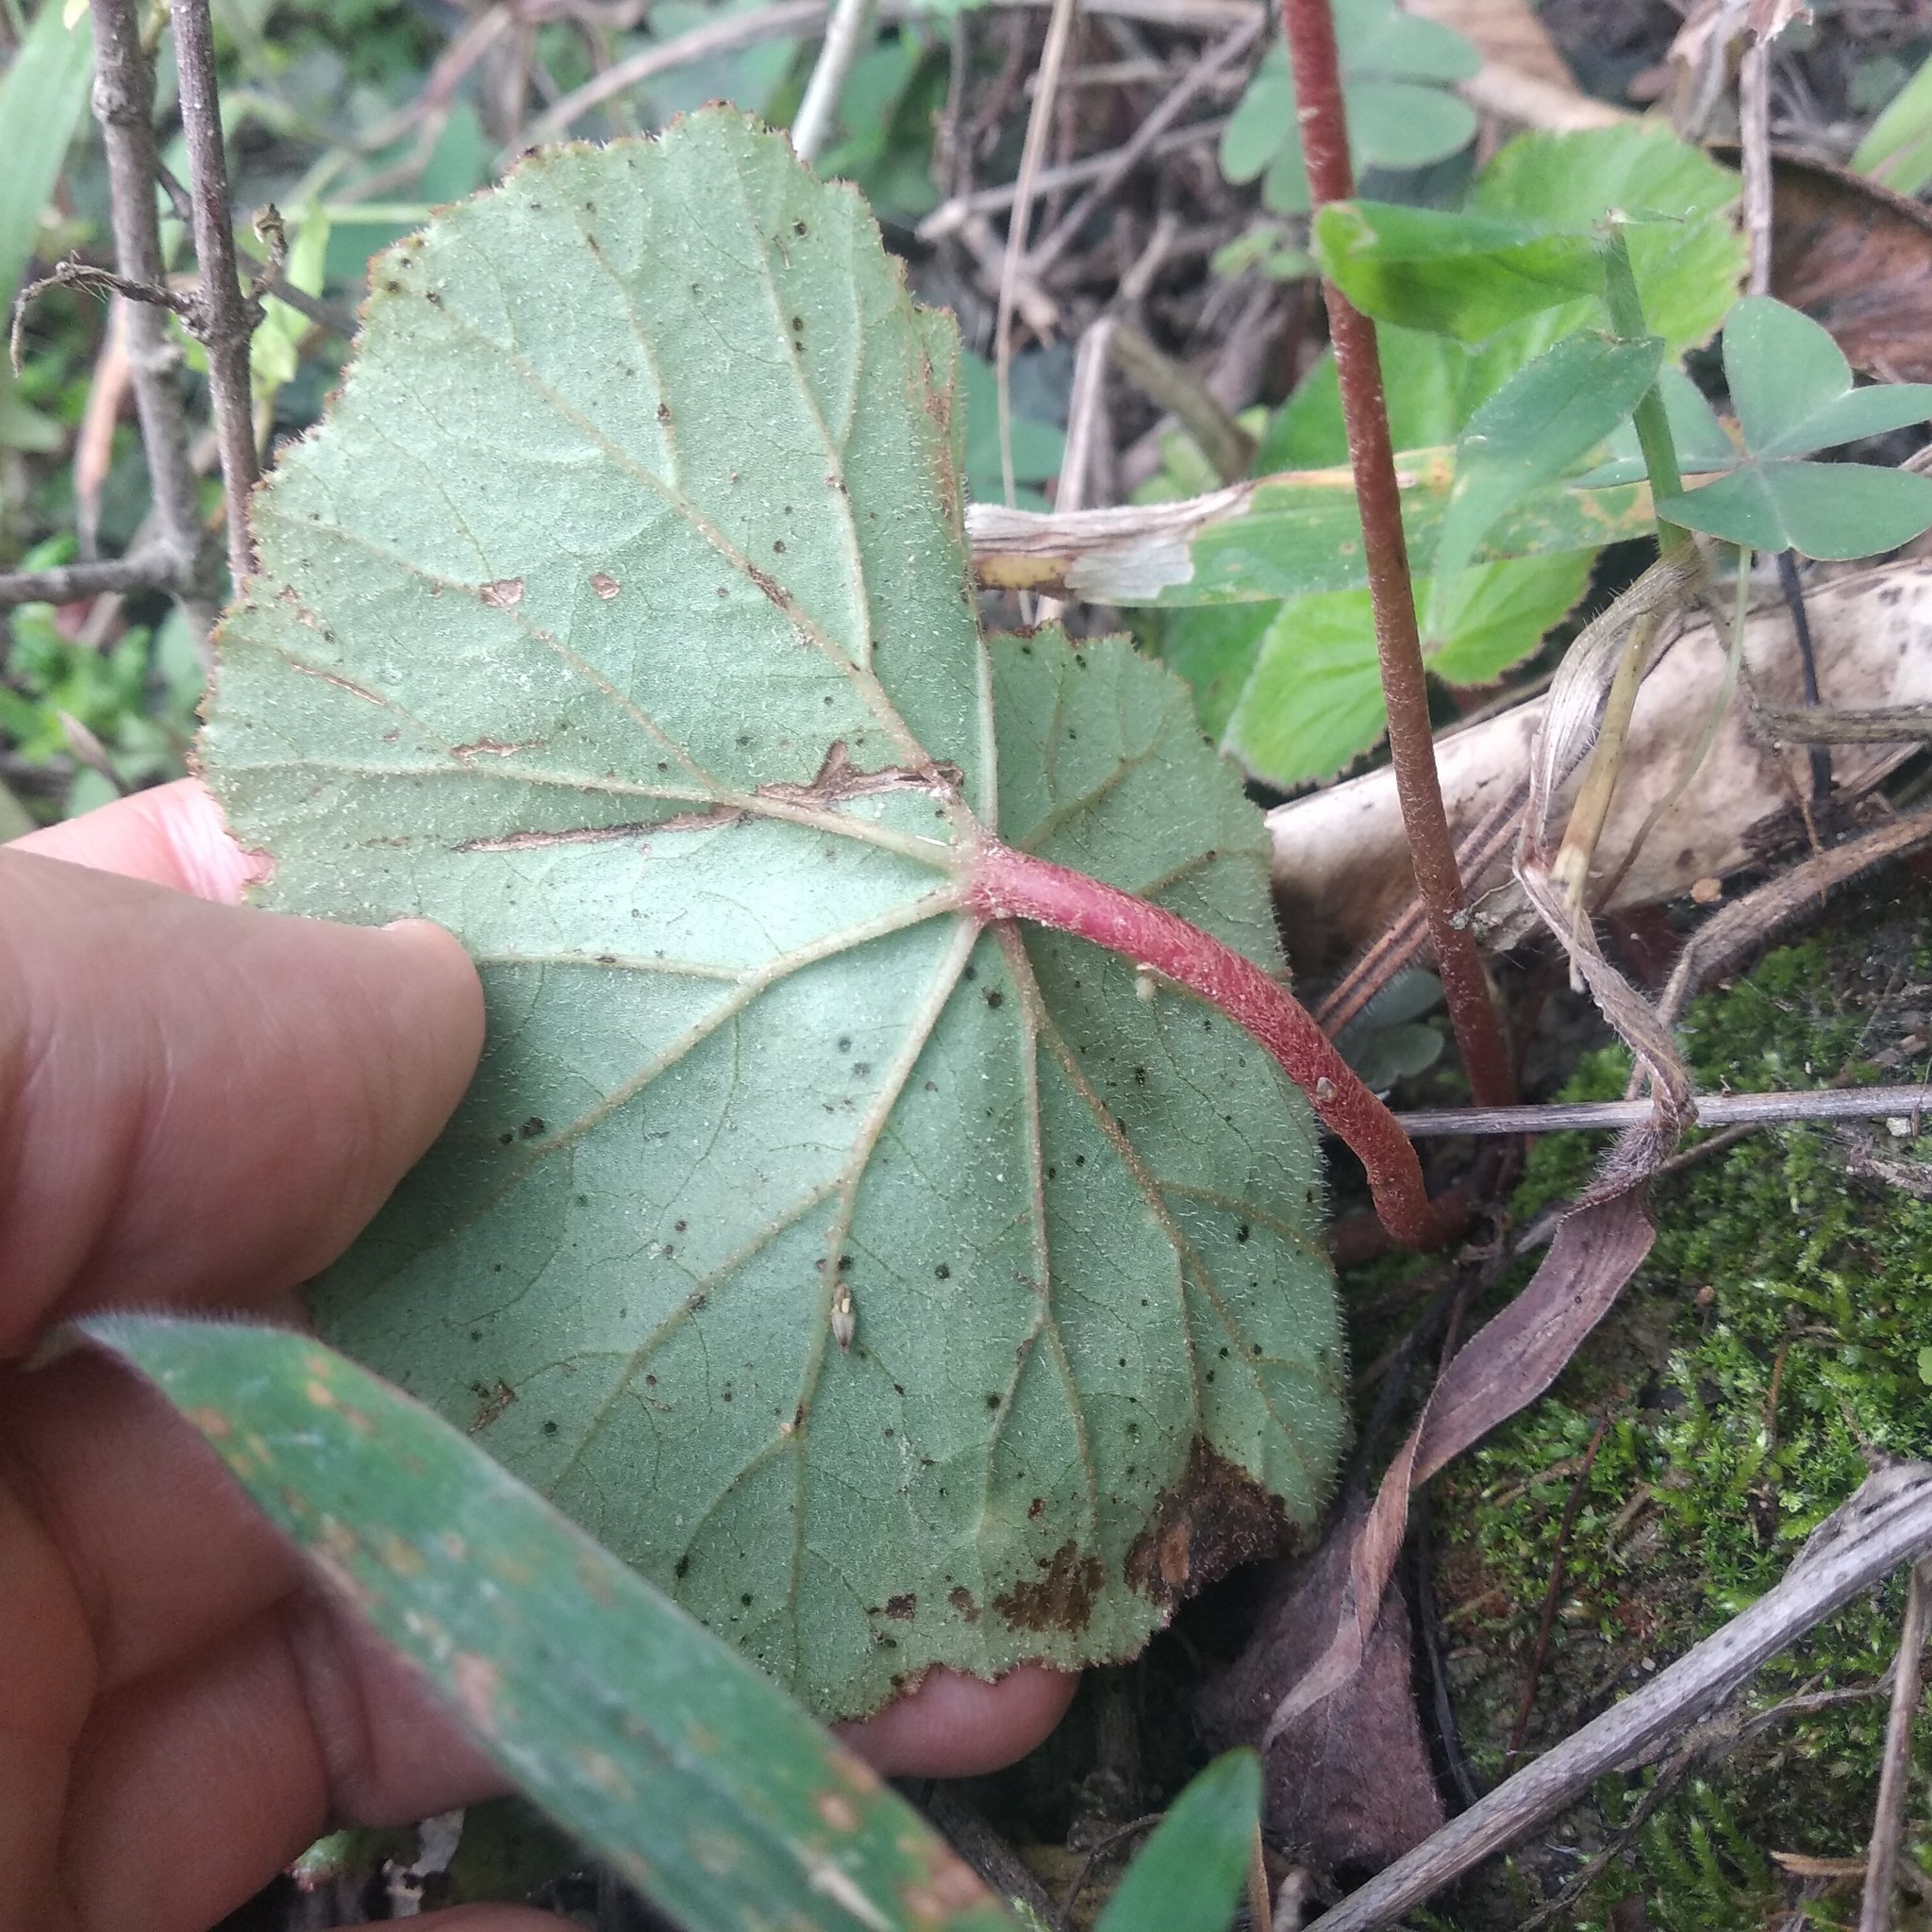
203	1104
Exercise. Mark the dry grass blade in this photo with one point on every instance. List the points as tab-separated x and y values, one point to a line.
1505	1365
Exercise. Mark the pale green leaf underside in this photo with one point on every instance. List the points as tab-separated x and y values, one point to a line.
640	504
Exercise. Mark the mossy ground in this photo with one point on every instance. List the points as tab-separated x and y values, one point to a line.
1781	1332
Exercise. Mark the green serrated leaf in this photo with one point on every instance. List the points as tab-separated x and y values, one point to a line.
1832	511
1791	386
1189	1876
1462	275
1309	696
620	617
652	1743
1314	699
1498	613
1540	423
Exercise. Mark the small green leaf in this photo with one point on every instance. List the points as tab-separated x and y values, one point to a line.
1397	124
1395	67
1313	700
663	1751
1925	1365
1540	423
1189	1876
1791	386
1462	275
1832	511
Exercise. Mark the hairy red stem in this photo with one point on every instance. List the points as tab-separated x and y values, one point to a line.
1007	884
1385	549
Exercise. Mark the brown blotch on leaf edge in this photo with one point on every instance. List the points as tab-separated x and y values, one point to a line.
1214	1519
1059	1599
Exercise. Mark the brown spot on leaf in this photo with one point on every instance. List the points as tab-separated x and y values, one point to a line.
903	1606
1060	1598
1215	1517
605	586
491	1403
962	1600
506	594
477	1680
836	1811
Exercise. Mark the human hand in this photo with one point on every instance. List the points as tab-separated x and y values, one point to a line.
200	1105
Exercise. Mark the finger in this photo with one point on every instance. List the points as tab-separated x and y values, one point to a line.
954	1725
247	1752
203	1104
173	835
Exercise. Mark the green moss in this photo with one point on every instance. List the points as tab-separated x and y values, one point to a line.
1770	1342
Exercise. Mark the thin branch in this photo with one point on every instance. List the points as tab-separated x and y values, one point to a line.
1711	1110
845	39
229	315
1229	447
786	17
1869	725
154	566
1214	62
1889	1811
1007	884
1398	644
953	214
123	103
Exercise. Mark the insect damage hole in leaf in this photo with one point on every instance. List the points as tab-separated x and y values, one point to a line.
708	840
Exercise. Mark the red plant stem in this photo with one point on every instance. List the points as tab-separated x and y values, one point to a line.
1398	644
1007	884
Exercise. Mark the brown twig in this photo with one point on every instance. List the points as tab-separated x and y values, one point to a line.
954	213
1398	644
229	315
1750	920
1888	1810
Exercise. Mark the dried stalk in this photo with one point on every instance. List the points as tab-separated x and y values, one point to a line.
1059	29
1398	644
1709	1110
229	315
1889	1811
845	38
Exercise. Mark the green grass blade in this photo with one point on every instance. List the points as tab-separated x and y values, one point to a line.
666	1753
41	96
1188	1877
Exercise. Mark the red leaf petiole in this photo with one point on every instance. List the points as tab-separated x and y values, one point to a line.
1006	884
